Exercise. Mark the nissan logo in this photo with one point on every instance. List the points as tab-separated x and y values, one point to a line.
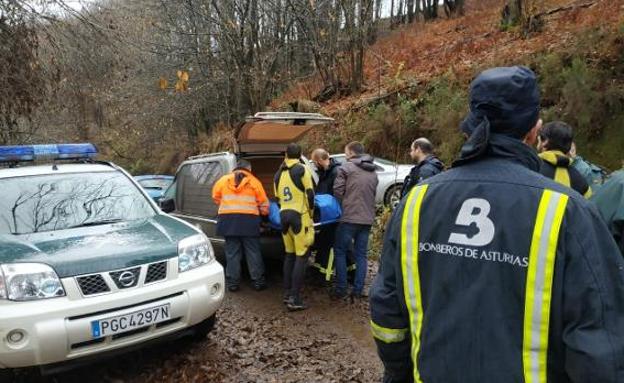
126	279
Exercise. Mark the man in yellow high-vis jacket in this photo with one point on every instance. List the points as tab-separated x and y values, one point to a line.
554	142
493	273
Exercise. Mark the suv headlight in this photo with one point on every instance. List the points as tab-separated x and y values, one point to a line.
29	281
193	252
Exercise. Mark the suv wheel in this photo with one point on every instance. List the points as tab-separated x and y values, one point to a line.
202	329
393	195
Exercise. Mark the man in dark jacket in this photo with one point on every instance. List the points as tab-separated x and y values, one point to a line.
326	169
554	141
491	272
355	187
427	164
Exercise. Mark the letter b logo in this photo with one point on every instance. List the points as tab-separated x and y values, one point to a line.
474	211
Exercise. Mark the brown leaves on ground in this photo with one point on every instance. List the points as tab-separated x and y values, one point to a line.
466	45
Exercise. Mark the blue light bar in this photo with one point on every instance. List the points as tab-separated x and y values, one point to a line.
67	151
16	153
22	153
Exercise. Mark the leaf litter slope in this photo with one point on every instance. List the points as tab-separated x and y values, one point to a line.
465	45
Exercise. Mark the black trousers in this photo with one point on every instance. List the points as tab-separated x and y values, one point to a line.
324	242
294	274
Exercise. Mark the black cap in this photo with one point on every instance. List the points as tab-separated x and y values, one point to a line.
508	97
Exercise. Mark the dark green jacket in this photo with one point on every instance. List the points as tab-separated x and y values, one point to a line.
610	202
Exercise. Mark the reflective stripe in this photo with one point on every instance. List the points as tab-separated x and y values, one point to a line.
330	265
539	285
329	271
409	266
388	335
237	197
238	208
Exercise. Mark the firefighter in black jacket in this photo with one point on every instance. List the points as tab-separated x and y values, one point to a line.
493	273
427	164
326	169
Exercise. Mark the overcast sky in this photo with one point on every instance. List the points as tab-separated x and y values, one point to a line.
78	4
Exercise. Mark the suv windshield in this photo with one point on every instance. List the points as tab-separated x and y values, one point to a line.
155	183
62	201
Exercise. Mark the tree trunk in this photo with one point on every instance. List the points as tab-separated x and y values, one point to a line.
410	11
430	9
512	13
417	10
453	8
401	13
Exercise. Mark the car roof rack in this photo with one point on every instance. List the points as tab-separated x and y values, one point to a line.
208	155
288	116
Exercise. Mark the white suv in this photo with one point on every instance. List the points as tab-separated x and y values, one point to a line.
89	264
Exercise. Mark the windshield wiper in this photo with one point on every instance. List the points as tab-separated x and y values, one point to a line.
96	223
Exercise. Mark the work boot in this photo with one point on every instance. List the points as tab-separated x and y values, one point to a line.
296	304
336	295
359	295
233	288
259	286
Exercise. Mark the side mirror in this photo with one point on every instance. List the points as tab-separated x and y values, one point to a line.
167	204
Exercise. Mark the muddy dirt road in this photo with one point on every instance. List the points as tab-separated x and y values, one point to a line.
255	340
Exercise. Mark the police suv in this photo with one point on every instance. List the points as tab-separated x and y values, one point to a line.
89	264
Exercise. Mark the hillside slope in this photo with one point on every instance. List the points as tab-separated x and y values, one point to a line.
417	78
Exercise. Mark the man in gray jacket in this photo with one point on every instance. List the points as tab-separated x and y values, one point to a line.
354	187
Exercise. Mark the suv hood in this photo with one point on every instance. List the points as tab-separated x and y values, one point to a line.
96	249
270	132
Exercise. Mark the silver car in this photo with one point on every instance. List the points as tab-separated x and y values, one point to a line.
391	176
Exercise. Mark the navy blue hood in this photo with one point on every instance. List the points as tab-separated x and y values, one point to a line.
504	103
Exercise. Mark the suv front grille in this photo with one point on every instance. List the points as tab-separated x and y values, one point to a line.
156	272
92	284
124	279
107	282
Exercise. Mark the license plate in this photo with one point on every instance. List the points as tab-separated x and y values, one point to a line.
128	322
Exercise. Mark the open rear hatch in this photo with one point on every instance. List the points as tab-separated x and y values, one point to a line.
270	132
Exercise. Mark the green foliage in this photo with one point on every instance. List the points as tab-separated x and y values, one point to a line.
388	128
382	128
584	87
444	107
408	111
377	233
549	69
139	167
380	120
579	96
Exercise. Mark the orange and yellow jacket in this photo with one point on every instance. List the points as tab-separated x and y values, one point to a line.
240	193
